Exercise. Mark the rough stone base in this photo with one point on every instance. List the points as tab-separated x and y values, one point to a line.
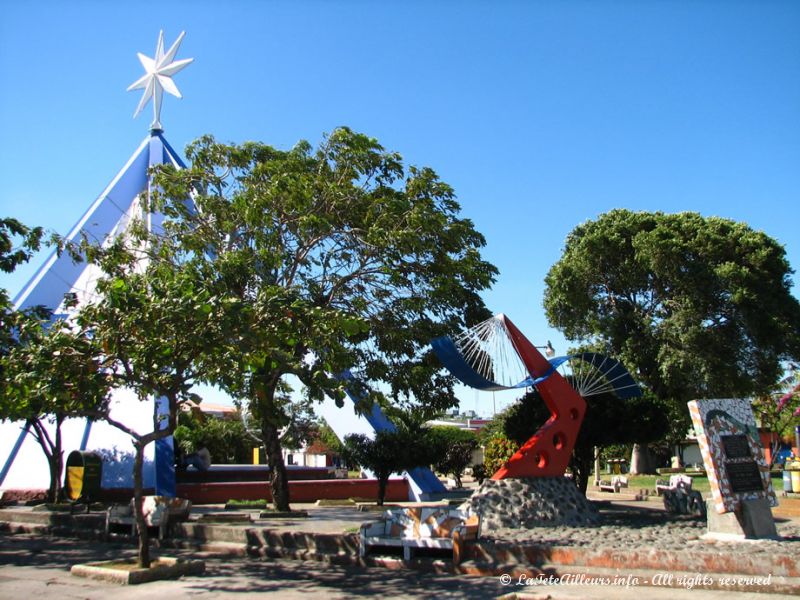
531	502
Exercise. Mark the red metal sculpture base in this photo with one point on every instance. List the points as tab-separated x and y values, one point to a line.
548	452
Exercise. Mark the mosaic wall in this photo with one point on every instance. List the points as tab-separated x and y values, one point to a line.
732	452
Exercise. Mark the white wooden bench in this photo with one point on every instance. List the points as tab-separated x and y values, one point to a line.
683	482
679	497
615	485
159	511
421	527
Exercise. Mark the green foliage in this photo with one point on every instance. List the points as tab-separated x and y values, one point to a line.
48	370
327	436
479	473
497	452
54	368
153	324
779	409
226	439
608	421
52	372
389	452
699	307
17	243
452	448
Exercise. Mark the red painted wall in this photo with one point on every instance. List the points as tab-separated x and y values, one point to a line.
220	492
299	491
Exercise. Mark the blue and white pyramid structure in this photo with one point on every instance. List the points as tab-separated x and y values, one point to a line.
22	462
23	465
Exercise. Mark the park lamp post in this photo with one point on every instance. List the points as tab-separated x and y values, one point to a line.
549	351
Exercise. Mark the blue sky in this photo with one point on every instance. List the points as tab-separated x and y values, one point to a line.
541	115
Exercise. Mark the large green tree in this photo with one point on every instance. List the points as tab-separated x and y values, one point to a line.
322	260
451	450
695	306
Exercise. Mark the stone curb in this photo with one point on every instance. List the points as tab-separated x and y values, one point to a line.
163	568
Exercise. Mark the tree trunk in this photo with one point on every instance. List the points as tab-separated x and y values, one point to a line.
54	464
581	463
278	477
57	464
53	454
640	460
382	481
141	526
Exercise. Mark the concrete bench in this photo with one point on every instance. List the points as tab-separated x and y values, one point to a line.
679	497
615	485
159	511
421	527
676	482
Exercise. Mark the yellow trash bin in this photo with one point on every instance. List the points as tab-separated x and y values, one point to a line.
84	472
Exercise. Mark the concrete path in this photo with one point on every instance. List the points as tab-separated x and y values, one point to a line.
37	567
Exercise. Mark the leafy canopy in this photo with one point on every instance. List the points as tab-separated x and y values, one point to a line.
700	306
324	260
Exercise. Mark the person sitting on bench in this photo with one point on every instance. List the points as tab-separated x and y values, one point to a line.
200	460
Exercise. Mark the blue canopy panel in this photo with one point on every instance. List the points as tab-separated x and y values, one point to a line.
617	375
451	358
612	370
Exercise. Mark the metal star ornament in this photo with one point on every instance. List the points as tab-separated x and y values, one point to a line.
158	77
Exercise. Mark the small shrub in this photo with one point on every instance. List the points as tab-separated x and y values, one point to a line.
498	450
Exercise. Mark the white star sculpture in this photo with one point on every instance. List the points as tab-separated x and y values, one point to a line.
158	77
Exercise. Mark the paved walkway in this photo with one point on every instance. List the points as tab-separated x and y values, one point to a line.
38	567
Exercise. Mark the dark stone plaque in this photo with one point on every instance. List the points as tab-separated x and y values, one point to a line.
736	446
744	476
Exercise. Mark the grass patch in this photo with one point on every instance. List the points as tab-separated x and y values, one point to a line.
337	502
700	484
276	514
239	504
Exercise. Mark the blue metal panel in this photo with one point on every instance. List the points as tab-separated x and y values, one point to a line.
87	429
164	454
165	482
169	154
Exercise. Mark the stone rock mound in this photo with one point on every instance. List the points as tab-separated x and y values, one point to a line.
531	502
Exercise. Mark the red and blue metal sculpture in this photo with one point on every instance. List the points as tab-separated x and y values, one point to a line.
495	355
